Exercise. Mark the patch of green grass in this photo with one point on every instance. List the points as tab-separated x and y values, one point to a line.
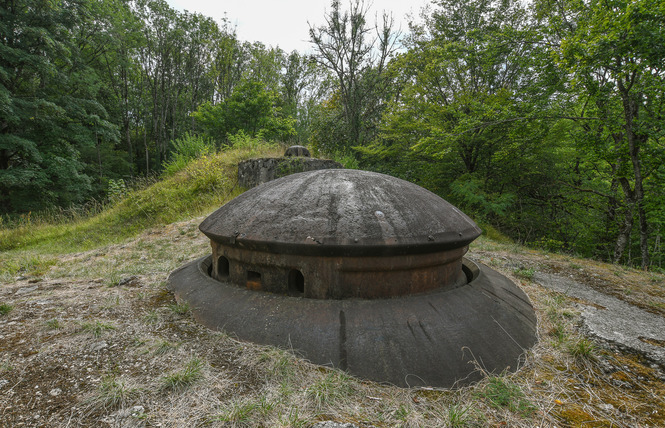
279	362
460	416
181	379
246	413
402	412
53	324
524	273
24	264
293	419
113	393
179	308
151	317
500	392
164	346
582	349
558	332
5	366
5	308
334	387
96	328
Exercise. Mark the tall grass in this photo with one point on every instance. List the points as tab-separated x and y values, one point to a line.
200	186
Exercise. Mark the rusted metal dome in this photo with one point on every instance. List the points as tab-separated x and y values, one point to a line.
361	271
341	211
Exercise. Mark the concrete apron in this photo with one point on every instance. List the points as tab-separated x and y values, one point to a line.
443	338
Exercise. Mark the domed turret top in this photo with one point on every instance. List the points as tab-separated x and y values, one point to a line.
340	212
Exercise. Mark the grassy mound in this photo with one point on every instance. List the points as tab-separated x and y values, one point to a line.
199	187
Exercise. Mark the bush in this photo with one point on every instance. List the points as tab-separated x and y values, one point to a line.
185	149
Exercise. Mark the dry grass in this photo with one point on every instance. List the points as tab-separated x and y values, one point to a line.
80	348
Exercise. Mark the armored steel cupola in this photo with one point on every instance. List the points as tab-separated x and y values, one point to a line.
362	271
336	234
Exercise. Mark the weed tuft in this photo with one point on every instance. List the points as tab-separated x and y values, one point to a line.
460	416
334	387
113	393
524	273
96	328
181	379
582	349
164	347
53	324
179	308
500	392
5	308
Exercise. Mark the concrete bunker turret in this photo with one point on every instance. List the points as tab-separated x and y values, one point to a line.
362	271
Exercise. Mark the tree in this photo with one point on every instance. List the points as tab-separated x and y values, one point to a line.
48	110
614	52
357	58
250	109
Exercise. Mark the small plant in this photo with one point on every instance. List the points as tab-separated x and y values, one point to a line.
183	378
402	413
525	273
151	317
278	362
117	189
558	332
5	308
244	413
113	393
502	393
53	324
335	386
5	366
97	328
179	308
164	346
292	419
582	349
460	416
186	149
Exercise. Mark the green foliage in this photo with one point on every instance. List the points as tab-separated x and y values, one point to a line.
5	308
470	194
526	273
335	386
179	308
583	349
183	378
48	106
185	149
500	392
117	189
203	185
250	109
28	265
97	328
460	416
356	55
113	393
53	324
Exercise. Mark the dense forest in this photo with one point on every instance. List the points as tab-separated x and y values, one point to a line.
544	119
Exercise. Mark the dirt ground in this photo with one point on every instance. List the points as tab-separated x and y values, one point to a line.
94	339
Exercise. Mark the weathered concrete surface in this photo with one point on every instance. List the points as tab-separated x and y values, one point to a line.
253	172
438	338
621	324
340	212
297	151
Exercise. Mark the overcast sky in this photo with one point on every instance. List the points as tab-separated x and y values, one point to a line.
283	23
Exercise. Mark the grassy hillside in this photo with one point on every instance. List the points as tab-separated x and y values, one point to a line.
90	336
199	187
